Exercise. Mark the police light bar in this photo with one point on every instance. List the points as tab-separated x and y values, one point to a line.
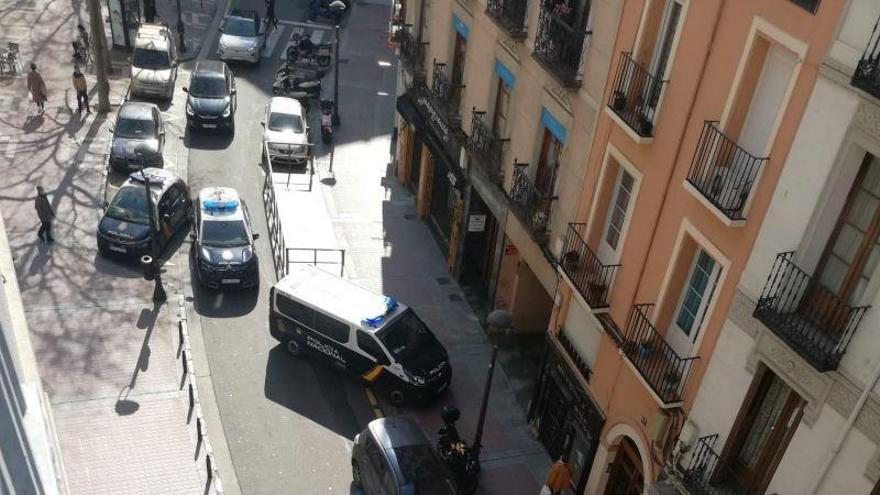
218	204
390	305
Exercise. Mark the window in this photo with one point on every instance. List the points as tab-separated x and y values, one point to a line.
853	249
548	164
295	311
502	105
331	327
697	292
665	36
369	345
458	67
619	207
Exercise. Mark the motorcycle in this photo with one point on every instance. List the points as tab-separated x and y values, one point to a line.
331	10
303	46
326	121
291	85
461	459
290	69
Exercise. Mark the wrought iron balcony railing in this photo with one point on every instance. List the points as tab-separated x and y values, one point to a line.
530	205
811	319
723	171
509	14
635	96
658	363
443	92
591	278
809	5
867	74
485	147
705	474
575	356
412	52
559	46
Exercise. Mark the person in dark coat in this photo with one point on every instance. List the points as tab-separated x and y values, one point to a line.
37	87
45	214
271	20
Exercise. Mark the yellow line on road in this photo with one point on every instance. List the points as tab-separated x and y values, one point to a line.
371	397
378	412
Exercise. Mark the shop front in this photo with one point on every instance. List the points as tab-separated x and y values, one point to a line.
566	419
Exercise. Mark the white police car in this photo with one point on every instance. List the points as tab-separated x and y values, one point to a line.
223	240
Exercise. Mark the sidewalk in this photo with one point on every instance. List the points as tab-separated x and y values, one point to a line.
389	250
107	355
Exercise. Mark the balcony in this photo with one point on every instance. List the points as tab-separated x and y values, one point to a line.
444	93
397	25
660	366
705	474
867	74
575	356
559	46
723	172
811	319
530	205
635	96
412	53
510	15
810	6
590	277
485	147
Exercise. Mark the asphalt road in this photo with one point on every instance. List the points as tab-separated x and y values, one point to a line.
288	422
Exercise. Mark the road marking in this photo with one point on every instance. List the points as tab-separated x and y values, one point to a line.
311	25
274	36
378	413
371	397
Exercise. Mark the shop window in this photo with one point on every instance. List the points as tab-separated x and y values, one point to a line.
662	18
548	164
502	105
625	473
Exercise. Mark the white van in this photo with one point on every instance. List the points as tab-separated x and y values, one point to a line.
328	318
153	62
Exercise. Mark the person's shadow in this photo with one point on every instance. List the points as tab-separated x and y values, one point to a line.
32	123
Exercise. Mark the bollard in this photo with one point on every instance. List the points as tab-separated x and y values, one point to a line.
180	337
209	466
192	402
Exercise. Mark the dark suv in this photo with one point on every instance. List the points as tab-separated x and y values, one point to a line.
138	133
393	456
211	101
223	240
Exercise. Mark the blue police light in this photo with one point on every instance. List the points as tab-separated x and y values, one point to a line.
390	305
216	204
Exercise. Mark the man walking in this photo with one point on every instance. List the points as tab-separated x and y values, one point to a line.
45	214
82	90
559	478
36	87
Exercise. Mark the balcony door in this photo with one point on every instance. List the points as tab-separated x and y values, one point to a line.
548	164
766	422
499	115
853	250
693	301
458	68
665	36
767	99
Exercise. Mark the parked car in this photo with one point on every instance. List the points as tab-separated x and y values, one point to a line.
139	133
211	101
124	230
285	131
153	62
243	37
223	240
393	456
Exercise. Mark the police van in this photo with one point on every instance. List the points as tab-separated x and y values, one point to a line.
328	318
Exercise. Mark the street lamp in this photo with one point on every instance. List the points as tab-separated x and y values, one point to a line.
335	118
150	263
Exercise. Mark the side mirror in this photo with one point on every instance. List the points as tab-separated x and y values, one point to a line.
166	217
111	129
105	204
383	360
256	236
263	123
174	64
232	91
185	89
192	236
220	29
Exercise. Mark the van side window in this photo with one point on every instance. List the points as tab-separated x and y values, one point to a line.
331	327
369	345
295	311
373	454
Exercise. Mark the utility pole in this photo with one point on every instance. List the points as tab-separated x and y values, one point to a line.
335	118
101	55
152	267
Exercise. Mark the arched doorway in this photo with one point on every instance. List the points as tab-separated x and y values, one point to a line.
625	472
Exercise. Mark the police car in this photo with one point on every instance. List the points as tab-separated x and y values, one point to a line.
223	240
328	318
124	230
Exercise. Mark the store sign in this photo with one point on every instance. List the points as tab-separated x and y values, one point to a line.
438	125
476	223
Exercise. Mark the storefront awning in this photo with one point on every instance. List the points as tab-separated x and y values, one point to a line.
443	140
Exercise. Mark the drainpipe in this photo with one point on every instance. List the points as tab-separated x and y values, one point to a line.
838	443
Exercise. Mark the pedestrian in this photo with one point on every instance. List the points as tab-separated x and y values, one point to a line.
45	214
559	477
271	20
82	90
37	88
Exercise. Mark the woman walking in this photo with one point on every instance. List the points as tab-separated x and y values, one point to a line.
37	88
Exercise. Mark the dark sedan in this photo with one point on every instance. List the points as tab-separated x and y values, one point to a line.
211	100
138	133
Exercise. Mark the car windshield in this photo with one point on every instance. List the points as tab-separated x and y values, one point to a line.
406	336
238	26
421	468
150	59
285	122
224	233
208	87
130	204
135	128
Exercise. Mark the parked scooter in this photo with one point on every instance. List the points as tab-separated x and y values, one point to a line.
326	121
289	85
304	47
330	10
291	69
461	459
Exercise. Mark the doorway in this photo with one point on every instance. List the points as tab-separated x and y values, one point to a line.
478	255
625	472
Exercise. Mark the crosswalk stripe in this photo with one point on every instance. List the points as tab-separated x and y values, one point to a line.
274	36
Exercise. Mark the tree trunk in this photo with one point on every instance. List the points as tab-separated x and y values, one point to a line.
100	56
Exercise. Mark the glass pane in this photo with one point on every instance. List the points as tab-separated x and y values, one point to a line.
834	273
765	420
858	290
871	181
847	244
612	237
871	264
864	207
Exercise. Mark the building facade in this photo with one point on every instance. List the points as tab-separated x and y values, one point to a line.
30	458
698	122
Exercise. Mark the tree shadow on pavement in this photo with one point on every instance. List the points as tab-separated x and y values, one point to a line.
146	321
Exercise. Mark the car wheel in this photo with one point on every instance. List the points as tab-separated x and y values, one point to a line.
356	474
294	348
397	398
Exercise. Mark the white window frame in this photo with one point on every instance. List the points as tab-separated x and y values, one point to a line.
612	207
705	297
604	252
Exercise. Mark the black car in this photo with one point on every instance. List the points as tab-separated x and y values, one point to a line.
223	240
124	230
211	100
393	456
139	132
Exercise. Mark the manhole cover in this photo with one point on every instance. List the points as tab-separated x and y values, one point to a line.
442	280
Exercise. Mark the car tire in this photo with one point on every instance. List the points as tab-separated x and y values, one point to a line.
396	397
356	474
294	348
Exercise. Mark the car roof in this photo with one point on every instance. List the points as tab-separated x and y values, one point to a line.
283	104
153	36
396	432
220	203
340	297
209	68
249	14
136	110
160	179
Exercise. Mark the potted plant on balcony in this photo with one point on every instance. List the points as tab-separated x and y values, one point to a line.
618	101
671	381
646	348
570	260
644	126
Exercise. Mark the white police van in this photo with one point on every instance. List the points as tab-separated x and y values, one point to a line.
328	318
